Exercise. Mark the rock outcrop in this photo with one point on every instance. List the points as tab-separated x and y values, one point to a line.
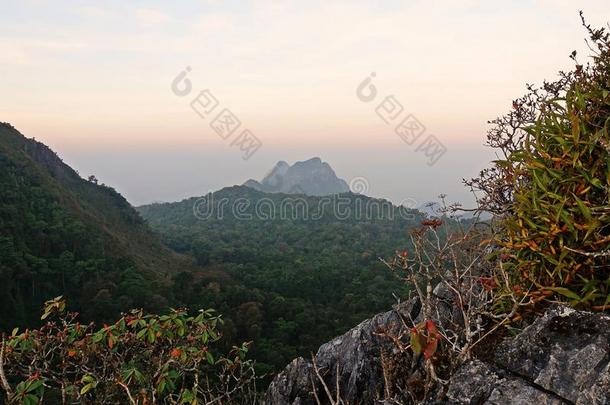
310	177
563	357
356	356
481	383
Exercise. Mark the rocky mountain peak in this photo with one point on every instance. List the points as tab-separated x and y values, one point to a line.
310	177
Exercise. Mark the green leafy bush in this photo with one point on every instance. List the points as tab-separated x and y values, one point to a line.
550	189
169	359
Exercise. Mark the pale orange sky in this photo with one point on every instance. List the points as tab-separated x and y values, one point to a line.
92	80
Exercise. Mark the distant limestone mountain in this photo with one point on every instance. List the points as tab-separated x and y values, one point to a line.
311	177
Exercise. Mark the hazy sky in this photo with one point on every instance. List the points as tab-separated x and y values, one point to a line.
93	81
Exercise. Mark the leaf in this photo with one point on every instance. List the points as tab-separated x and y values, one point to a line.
415	341
210	358
430	348
139	375
151	336
87	378
586	212
126	375
186	397
34	386
432	340
161	386
86	388
565	292
597	183
431	328
30	400
539	182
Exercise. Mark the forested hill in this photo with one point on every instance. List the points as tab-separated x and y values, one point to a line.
239	224
63	235
306	268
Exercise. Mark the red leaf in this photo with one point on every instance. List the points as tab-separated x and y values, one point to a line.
430	348
488	283
432	340
431	327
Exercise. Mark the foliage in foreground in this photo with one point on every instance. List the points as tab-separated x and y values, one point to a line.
550	188
169	359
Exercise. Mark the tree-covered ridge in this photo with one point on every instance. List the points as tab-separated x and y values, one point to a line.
61	234
296	280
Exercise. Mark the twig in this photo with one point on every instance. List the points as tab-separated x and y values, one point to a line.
315	392
386	377
326	389
5	384
337	383
603	253
127	391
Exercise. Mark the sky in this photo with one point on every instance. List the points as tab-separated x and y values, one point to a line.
98	82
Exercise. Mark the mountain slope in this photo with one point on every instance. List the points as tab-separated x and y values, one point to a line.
63	235
310	177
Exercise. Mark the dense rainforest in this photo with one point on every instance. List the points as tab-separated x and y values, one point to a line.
305	268
288	281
